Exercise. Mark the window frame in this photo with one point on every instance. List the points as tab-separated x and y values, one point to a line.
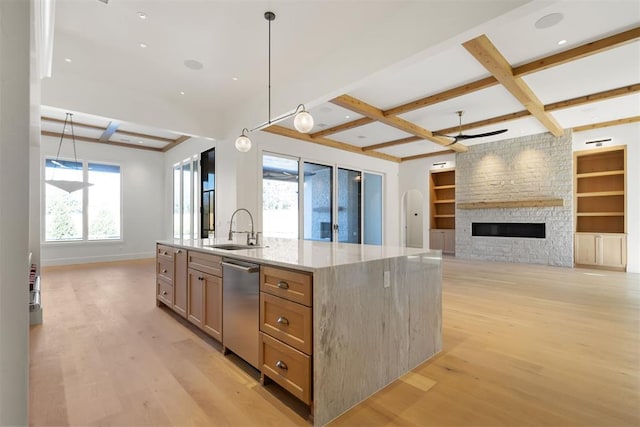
85	205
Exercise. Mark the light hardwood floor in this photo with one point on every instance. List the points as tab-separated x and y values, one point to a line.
523	345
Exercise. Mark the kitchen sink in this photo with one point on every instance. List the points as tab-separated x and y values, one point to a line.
232	246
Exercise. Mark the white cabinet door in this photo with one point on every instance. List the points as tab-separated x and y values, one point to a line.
586	249
613	250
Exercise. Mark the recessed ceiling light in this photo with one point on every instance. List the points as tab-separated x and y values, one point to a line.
347	116
235	79
142	45
561	42
67	60
140	142
192	64
548	21
181	92
142	15
361	137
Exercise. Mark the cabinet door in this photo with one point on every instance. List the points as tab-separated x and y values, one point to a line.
613	250
436	239
586	249
213	306
180	282
449	242
195	297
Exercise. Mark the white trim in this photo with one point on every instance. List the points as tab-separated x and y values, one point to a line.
101	258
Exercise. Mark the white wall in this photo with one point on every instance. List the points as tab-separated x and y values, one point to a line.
15	28
143	207
628	135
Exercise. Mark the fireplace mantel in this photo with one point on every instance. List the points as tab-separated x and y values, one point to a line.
529	203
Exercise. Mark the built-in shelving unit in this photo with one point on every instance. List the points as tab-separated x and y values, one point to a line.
600	207
443	210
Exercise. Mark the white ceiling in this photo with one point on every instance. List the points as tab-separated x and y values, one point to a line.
102	41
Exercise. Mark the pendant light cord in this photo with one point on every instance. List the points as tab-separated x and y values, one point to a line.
269	73
68	117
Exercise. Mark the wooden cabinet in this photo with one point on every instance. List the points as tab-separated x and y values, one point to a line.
204	293
286	329
442	185
171	278
600	207
601	249
445	240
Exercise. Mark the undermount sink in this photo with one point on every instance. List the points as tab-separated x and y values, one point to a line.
232	246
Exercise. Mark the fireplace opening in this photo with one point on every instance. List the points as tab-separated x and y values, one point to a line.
508	229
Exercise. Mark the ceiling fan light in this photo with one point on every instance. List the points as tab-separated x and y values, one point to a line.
303	122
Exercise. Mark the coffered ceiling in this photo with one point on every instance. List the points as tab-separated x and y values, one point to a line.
511	72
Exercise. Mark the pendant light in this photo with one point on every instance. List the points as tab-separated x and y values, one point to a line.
63	184
303	121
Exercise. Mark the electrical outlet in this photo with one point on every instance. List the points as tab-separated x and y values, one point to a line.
387	279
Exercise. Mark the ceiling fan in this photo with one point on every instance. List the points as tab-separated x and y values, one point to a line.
460	136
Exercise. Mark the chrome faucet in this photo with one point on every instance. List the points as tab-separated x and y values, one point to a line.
252	236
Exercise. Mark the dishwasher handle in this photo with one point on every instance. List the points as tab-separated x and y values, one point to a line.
246	269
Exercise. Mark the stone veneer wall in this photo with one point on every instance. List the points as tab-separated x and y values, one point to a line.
531	167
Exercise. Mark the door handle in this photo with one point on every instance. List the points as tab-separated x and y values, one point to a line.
253	269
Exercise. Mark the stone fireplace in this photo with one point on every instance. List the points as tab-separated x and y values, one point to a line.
527	180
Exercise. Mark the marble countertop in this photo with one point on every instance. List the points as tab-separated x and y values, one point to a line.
305	255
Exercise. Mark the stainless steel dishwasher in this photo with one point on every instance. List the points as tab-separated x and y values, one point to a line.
241	308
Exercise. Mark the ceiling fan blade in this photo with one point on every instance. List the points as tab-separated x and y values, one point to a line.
480	135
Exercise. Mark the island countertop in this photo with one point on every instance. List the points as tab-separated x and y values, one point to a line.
307	255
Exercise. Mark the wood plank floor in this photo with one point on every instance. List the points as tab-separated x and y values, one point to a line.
523	345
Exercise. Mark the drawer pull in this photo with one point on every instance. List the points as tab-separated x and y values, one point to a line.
179	251
280	364
165	253
283	285
164	292
164	271
283	321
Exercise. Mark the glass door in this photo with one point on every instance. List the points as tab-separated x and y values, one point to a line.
372	209
318	202
208	193
279	196
349	201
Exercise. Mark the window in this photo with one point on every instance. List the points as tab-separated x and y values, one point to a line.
336	204
91	213
279	196
185	199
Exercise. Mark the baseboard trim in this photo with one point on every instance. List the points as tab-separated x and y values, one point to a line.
95	259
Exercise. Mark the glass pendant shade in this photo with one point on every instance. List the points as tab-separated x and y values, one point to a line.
243	143
303	122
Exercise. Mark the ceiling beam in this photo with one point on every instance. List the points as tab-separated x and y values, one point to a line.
616	122
75	124
341	128
486	122
442	96
145	136
177	141
110	143
291	133
422	156
579	52
488	55
594	97
391	143
372	112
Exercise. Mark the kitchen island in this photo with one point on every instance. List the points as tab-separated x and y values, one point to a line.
373	313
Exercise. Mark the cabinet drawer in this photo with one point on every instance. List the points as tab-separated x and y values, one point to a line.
286	366
287	321
164	269
164	291
207	263
165	252
292	285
